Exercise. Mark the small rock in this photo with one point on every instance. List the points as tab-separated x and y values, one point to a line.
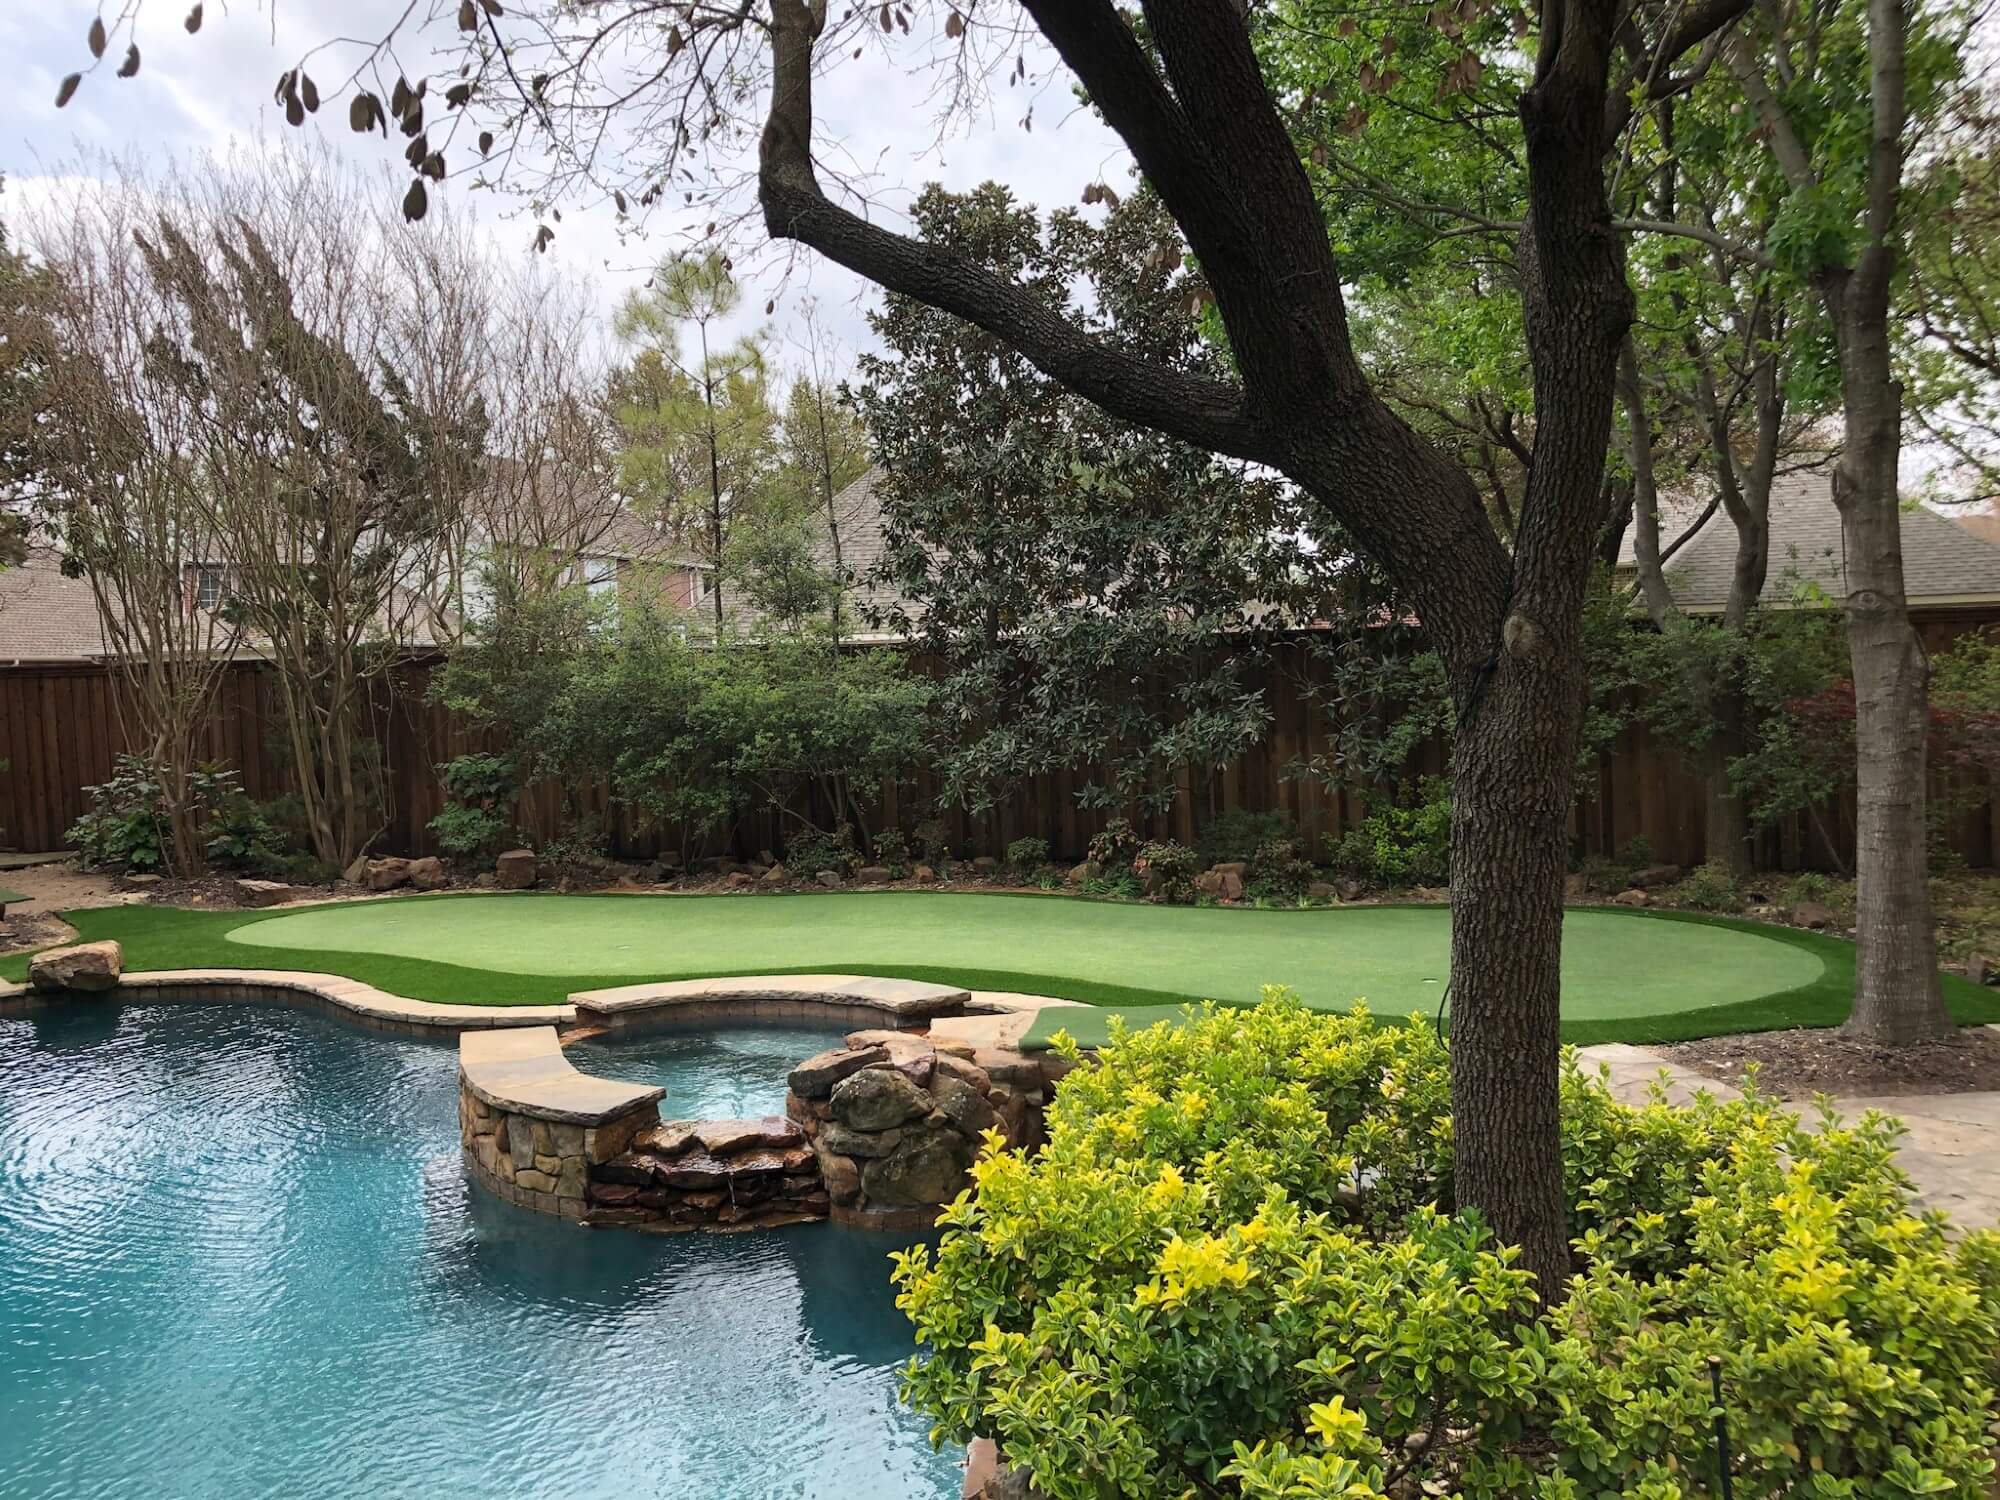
1089	870
878	1099
427	874
828	878
1632	898
486	880
841	1141
1349	890
668	1138
728	1137
264	892
515	870
871	875
964	1106
842	1177
923	872
985	864
387	874
737	880
816	1076
1811	914
142	880
1209	882
776	875
357	872
1320	893
89	968
965	1071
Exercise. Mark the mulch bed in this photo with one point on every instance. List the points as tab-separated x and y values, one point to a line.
1798	1064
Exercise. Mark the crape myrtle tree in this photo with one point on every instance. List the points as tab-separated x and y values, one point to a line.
634	102
1093	592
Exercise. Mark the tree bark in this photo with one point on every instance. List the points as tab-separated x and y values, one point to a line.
1897	998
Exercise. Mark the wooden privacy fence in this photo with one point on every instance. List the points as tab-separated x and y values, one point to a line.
60	729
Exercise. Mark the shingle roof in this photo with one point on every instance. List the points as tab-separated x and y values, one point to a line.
45	616
1942	562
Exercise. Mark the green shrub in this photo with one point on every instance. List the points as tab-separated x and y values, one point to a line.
1226	1274
1709	887
1166	871
127	824
1279	872
242	836
477	820
812	853
1028	854
1112	847
1118	884
933	841
892	851
1399	843
1238	834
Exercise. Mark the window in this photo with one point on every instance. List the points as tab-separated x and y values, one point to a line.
207	586
600	575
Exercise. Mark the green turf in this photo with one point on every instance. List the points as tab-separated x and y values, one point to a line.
1629	976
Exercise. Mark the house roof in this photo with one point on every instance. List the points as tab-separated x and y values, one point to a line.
45	616
1944	563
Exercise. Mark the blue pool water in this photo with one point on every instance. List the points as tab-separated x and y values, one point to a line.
238	1258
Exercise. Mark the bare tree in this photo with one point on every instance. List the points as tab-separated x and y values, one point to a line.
113	477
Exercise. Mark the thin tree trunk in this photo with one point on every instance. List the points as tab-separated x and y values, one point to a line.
1726	826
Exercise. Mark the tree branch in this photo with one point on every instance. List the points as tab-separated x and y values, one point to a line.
1198	410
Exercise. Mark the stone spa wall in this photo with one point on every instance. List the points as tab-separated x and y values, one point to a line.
879	1132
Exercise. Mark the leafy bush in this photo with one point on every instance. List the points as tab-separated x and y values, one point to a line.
1028	854
1119	884
1279	871
1606	875
1238	834
1709	887
243	836
476	822
811	853
1112	847
1226	1274
1399	844
892	851
128	821
1166	869
933	842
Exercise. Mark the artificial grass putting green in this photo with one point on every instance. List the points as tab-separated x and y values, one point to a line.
1627	976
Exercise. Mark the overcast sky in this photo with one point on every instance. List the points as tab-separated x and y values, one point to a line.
207	91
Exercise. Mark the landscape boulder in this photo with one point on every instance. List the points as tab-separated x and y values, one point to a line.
922	1171
387	874
1653	876
515	870
1632	898
816	1077
878	1098
264	892
1812	914
1081	874
872	875
357	872
1320	893
89	968
923	872
776	875
427	874
828	878
985	864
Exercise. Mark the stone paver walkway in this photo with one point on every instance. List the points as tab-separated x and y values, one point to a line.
1952	1151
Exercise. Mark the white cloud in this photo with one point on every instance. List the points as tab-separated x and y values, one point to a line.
213	90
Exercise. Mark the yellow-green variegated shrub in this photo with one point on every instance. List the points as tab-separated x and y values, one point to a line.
1227	1273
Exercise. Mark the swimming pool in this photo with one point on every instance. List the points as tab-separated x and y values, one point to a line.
238	1257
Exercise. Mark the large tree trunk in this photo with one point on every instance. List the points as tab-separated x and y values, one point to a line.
1511	795
1896	993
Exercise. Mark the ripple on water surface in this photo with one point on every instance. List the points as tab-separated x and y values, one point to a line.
238	1258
